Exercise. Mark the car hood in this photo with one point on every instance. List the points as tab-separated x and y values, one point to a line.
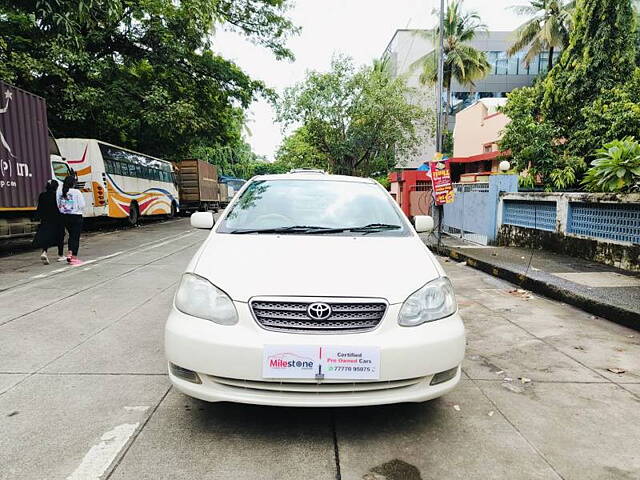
247	266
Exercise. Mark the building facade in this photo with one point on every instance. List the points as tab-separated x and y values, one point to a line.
507	73
477	131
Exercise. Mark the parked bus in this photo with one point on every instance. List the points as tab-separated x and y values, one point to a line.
120	183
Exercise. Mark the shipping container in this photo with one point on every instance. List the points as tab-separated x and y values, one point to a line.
198	185
24	148
28	159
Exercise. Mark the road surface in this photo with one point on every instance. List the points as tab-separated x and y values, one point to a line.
84	394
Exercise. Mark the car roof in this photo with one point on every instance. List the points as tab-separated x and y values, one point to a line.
314	176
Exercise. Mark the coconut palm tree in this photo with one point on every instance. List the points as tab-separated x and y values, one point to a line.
547	29
462	63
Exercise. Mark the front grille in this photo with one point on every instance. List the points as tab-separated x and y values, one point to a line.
292	316
317	388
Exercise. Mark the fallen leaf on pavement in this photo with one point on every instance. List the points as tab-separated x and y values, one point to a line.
499	372
616	370
507	379
524	379
490	413
456	408
579	347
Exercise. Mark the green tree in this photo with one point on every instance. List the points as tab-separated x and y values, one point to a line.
614	115
582	103
359	119
533	144
600	55
297	151
546	30
139	73
463	63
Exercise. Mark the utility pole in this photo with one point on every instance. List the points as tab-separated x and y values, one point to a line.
440	83
439	123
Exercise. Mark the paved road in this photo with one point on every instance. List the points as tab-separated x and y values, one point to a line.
83	388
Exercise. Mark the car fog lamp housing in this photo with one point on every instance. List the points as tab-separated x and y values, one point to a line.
184	373
198	297
434	301
445	376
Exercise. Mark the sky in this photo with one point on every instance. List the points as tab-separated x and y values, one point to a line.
359	28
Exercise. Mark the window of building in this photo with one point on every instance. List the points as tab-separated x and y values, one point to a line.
492	58
502	66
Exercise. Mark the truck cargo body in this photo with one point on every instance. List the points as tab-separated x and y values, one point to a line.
26	163
198	185
24	148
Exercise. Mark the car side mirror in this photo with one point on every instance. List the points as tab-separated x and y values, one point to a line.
202	220
423	223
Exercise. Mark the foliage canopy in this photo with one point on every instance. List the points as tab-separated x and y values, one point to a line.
139	73
585	100
358	119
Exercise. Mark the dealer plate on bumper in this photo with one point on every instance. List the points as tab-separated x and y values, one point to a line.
326	362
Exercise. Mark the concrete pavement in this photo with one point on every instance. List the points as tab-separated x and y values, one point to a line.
600	289
83	390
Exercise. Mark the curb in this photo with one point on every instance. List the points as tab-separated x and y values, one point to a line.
614	313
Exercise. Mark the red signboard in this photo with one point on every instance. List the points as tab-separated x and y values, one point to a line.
441	179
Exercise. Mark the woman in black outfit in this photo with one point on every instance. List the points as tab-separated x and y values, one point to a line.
51	229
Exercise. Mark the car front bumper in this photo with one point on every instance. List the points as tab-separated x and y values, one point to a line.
228	361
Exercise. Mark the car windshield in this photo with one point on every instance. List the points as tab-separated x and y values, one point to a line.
330	207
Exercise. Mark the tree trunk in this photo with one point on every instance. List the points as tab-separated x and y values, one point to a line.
550	64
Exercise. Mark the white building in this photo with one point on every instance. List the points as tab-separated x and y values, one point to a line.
508	73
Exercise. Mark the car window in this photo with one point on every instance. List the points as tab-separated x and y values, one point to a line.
60	170
272	204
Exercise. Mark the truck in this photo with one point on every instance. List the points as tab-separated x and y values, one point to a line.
198	186
231	186
29	158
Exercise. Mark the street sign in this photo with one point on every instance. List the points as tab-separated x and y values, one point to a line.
441	179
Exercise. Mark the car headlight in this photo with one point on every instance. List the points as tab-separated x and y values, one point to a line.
434	301
198	297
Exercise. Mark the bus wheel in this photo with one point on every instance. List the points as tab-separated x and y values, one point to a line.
134	214
173	211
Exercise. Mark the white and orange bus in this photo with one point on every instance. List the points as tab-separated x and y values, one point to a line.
120	183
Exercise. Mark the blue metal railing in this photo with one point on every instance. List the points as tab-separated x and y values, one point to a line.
538	215
608	221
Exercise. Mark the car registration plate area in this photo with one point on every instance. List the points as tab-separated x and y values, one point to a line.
298	362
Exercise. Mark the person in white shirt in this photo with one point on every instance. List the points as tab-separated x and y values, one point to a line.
71	205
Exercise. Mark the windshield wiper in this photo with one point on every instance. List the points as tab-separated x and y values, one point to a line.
375	227
312	229
291	229
364	229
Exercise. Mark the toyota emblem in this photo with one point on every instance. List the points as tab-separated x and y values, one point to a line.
319	311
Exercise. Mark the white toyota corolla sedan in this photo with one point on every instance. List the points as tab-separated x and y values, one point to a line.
314	290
